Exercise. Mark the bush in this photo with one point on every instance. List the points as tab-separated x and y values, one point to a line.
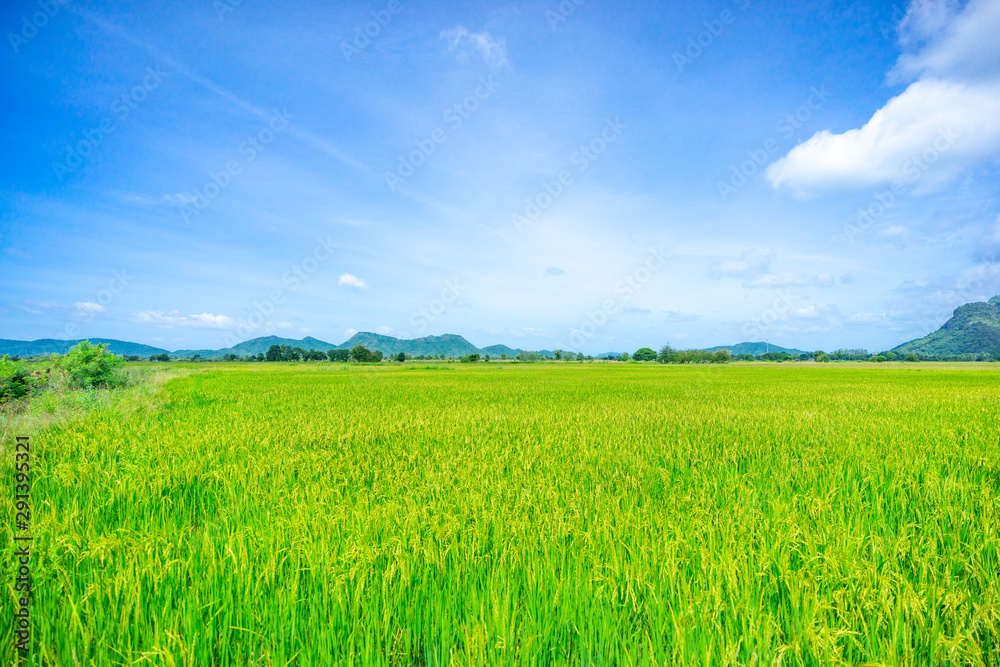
15	380
92	366
644	354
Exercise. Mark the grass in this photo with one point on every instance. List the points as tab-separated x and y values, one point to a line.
535	514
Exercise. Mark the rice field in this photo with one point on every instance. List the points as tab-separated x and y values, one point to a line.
536	514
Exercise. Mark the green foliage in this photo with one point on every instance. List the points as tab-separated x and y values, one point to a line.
363	355
821	356
470	359
92	366
644	354
15	380
669	355
338	355
159	357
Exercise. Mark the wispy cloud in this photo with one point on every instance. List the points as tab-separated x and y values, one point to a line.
175	319
89	307
492	50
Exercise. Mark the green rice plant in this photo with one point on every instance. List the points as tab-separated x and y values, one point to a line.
548	514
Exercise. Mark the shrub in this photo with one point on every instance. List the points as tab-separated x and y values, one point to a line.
91	366
15	380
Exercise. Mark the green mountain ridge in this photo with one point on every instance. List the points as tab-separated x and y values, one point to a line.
257	346
450	345
755	349
46	346
973	329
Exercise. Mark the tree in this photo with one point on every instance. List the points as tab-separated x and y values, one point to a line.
338	355
644	354
668	355
399	356
624	357
470	359
579	356
90	366
363	355
912	356
721	357
821	356
273	353
159	357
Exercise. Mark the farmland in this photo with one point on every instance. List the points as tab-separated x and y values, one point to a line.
524	514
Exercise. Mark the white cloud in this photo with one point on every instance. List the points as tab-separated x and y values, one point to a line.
751	264
385	331
175	319
350	332
945	121
946	42
776	280
674	316
347	280
30	311
88	307
493	51
554	271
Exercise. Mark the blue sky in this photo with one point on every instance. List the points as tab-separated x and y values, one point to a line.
544	175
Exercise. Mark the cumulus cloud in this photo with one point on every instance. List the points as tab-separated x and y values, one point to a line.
492	50
946	120
385	331
347	280
173	318
350	332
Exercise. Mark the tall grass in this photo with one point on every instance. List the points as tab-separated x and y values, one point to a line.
545	514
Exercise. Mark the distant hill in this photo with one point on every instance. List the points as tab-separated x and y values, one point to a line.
498	350
449	345
257	346
973	329
755	349
47	346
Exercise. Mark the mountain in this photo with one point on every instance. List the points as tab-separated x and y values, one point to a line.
498	350
973	329
257	346
46	346
755	349
449	345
